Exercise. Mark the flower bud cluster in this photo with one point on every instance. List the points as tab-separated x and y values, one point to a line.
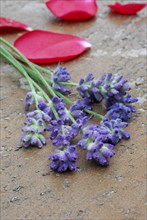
59	76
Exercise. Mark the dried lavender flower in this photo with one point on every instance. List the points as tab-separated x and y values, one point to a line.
60	75
34	126
93	142
106	87
64	158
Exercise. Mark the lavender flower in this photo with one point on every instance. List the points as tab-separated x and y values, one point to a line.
34	125
55	128
45	107
42	104
104	88
60	107
122	109
61	75
62	134
113	130
92	142
64	158
77	109
100	153
85	87
111	86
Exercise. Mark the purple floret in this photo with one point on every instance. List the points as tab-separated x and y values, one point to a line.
93	142
59	76
100	153
62	134
122	109
64	159
114	130
77	109
85	86
34	125
61	110
45	107
55	128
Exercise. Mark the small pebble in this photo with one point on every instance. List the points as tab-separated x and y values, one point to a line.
13	199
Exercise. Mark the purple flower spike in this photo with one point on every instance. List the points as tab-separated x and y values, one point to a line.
114	130
122	109
64	159
34	125
93	141
54	128
73	130
77	109
103	153
61	75
107	87
85	86
61	110
44	106
60	140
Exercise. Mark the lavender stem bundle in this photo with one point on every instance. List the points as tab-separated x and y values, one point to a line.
49	96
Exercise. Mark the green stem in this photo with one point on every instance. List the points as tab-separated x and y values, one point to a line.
15	63
31	82
47	71
94	114
34	75
69	83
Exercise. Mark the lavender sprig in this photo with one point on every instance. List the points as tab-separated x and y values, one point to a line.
95	145
106	87
34	127
64	158
58	76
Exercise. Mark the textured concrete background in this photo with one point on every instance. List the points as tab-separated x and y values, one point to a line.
29	190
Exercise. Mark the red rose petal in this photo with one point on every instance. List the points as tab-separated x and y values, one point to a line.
127	9
7	24
73	9
49	47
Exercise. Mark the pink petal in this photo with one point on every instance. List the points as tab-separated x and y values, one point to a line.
127	9
49	47
73	9
7	24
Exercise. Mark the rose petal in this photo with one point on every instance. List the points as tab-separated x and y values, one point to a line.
48	47
7	24
127	9
73	9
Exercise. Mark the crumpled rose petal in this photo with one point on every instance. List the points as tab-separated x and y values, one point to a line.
73	9
7	24
44	47
127	9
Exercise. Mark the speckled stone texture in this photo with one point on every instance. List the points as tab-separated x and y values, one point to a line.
29	190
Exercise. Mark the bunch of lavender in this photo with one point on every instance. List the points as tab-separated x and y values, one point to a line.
64	124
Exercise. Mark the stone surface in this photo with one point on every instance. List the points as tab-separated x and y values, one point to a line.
29	190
